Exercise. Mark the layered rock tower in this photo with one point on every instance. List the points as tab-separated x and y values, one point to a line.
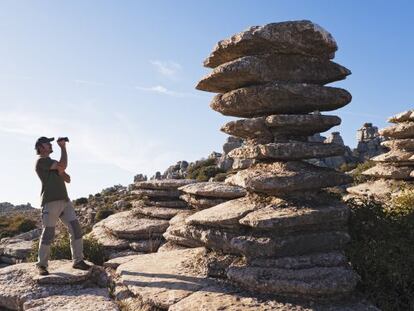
394	169
289	232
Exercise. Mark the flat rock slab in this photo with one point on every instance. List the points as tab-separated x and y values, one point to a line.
162	279
390	171
254	128
288	151
399	144
224	215
158	212
405	116
170	246
380	189
170	203
253	70
292	245
116	262
395	156
199	202
312	282
127	225
108	240
327	259
284	177
399	131
279	98
17	284
156	193
163	184
16	248
296	216
89	299
63	274
214	190
292	37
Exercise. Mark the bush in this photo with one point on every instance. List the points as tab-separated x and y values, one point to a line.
103	213
381	251
13	225
60	249
204	170
81	201
220	177
357	172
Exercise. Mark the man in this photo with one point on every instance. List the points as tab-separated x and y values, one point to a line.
55	204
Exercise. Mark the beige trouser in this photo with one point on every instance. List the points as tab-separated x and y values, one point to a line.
51	212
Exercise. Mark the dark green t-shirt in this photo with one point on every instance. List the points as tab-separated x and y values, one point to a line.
53	185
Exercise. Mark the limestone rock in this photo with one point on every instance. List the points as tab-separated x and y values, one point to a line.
298	216
316	282
116	262
296	37
89	299
395	156
284	177
170	246
288	151
279	98
163	184
399	131
292	245
249	129
224	215
214	190
170	203
63	274
155	193
105	238
128	226
163	279
405	116
157	212
252	70
16	248
146	246
380	189
399	144
201	202
389	171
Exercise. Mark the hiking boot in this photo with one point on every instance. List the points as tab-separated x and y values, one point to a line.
42	270
81	265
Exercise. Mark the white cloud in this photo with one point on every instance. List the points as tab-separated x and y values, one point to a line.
167	68
163	90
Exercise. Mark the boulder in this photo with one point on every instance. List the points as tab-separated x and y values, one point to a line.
311	282
288	151
108	240
399	131
379	189
224	215
252	129
157	212
292	37
399	144
395	156
127	225
170	203
279	98
280	178
389	171
157	194
252	70
214	190
146	246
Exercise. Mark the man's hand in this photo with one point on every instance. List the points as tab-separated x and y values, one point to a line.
66	178
61	143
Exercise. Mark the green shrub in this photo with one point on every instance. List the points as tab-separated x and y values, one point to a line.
204	170
346	167
13	225
81	201
60	249
220	177
381	251
103	213
357	172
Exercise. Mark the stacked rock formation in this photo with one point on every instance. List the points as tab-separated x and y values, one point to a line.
394	169
140	229
369	143
199	196
16	249
290	234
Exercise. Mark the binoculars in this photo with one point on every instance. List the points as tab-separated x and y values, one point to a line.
63	138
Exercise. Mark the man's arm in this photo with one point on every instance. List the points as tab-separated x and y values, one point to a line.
62	164
65	176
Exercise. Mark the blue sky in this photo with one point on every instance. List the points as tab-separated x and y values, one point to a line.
118	78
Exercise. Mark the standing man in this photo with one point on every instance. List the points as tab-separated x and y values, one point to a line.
55	204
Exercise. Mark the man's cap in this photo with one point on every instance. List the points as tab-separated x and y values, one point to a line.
42	140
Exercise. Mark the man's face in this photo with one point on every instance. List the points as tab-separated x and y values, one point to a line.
46	148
